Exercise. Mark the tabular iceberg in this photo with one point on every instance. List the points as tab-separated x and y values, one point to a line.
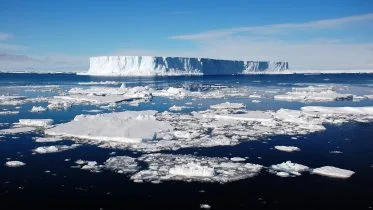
167	66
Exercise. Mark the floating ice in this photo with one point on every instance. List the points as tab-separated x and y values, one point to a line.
16	130
53	149
205	206
150	131
228	105
36	122
47	139
14	163
105	95
288	169
172	92
11	100
38	109
238	159
124	127
177	108
163	167
287	148
167	66
192	170
122	164
9	112
100	83
314	93
333	172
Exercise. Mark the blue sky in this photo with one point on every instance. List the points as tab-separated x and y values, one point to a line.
309	34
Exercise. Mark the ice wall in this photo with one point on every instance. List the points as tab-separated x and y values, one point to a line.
165	66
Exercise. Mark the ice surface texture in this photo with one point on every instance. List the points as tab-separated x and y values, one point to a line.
162	66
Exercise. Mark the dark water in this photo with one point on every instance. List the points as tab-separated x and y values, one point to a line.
30	187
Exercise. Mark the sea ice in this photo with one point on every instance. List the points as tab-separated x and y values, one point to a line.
287	148
292	169
228	105
122	164
163	167
16	130
9	112
100	83
314	94
333	172
14	163
205	206
38	109
124	127
47	139
36	122
53	149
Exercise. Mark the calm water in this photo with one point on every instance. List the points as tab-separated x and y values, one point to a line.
70	188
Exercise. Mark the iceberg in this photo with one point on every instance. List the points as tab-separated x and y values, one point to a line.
168	66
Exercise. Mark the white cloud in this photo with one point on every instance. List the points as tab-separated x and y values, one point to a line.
277	28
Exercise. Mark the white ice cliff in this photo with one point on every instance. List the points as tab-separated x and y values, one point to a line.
166	66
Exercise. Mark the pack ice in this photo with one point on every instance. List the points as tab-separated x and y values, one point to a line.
166	66
152	131
124	127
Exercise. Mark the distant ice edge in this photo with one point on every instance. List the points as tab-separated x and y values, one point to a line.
170	66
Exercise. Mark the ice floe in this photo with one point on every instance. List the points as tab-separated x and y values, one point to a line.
314	94
151	131
177	108
47	139
36	122
17	130
204	206
124	127
162	167
104	95
287	148
14	163
332	171
9	112
38	109
288	168
122	164
228	105
100	83
54	148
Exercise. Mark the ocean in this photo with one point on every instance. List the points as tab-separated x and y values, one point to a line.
51	181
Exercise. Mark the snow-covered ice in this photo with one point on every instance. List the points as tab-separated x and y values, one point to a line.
122	164
287	148
9	112
177	108
38	109
17	130
332	171
100	83
162	167
124	127
228	105
314	94
204	206
54	148
36	122
14	163
288	168
171	131
47	139
167	66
